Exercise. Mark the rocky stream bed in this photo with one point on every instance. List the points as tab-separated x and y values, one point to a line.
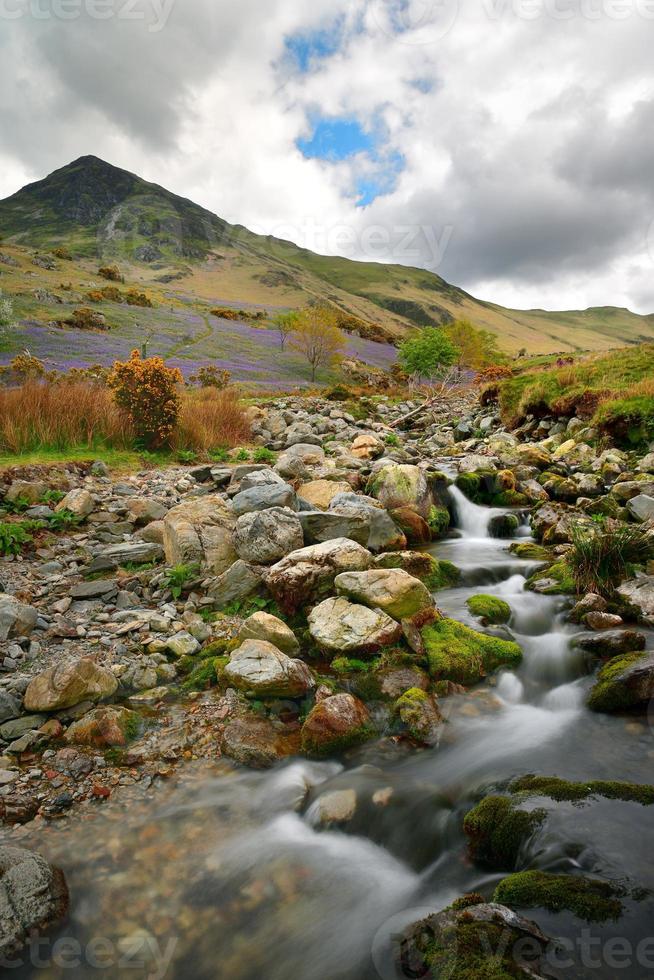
337	715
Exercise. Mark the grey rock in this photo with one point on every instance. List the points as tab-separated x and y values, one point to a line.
239	582
33	898
345	627
641	507
260	668
321	525
16	618
263	498
265	536
9	706
639	594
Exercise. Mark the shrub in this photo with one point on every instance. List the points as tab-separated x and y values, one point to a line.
62	253
134	298
87	319
429	354
15	537
605	553
112	273
211	377
6	314
147	391
263	455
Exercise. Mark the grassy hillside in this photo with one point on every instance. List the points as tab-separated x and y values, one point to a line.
102	213
616	391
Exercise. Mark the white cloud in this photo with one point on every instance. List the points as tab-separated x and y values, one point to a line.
527	143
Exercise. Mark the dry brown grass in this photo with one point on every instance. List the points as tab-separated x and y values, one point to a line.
39	416
57	416
211	418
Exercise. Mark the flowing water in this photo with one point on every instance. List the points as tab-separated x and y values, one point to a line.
228	873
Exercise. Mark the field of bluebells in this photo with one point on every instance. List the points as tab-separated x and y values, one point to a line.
185	339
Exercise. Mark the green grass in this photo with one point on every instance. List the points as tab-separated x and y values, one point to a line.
122	460
605	554
582	386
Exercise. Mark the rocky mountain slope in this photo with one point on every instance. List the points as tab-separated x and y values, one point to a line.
102	213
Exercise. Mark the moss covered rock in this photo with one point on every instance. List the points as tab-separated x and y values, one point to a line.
489	608
588	898
336	724
530	551
563	790
418	712
497	828
624	682
480	941
392	590
462	655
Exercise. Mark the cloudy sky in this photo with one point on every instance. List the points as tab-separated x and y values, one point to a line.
506	144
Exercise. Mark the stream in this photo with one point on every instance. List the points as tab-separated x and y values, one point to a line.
227	873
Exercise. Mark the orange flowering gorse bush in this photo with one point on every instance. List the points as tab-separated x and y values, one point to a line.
147	391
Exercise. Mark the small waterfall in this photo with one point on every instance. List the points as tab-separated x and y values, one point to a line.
472	519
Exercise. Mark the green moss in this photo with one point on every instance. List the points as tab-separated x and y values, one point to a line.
471	485
608	694
438	520
589	898
496	830
350	665
509	498
473	951
562	790
489	608
530	551
410	708
467	901
201	677
444	575
460	654
336	744
131	725
561	573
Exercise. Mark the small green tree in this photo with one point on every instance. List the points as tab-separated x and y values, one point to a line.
285	324
429	354
317	337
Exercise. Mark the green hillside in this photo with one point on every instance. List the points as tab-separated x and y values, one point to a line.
102	213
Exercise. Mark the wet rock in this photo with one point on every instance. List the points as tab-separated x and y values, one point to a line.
253	742
304	574
590	603
68	684
624	682
260	668
16	618
33	898
263	626
337	806
336	724
200	531
639	595
103	728
414	527
610	643
420	715
392	590
455	942
266	536
601	621
342	626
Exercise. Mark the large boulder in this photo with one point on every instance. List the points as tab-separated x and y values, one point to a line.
392	590
321	525
200	531
263	626
639	595
383	534
68	684
30	491
397	485
306	574
264	497
345	627
641	507
33	898
335	724
258	667
266	536
320	493
16	618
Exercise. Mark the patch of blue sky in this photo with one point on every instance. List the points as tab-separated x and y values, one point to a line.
312	46
335	139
